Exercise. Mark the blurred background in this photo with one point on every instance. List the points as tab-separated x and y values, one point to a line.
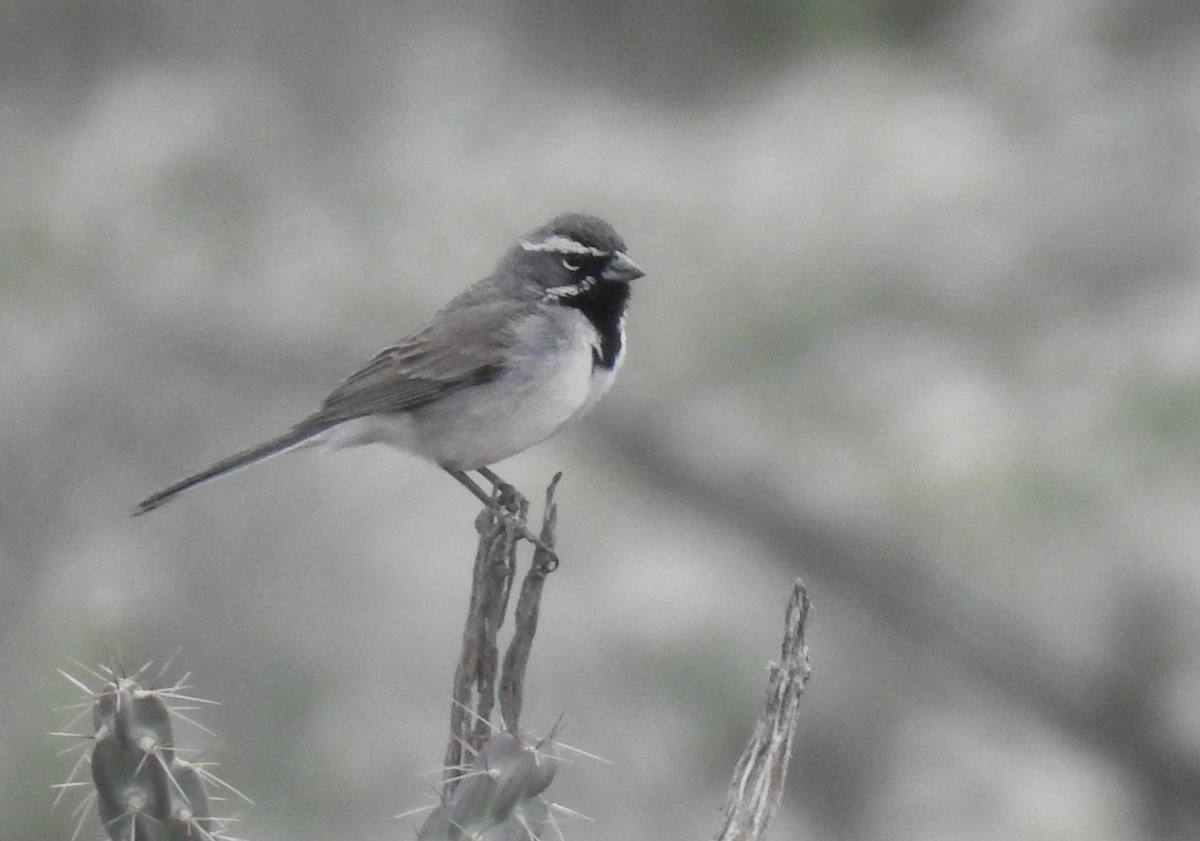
921	324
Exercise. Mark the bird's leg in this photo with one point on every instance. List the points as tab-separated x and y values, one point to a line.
469	483
497	483
502	504
506	502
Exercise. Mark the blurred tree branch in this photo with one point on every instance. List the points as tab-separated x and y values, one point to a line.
895	586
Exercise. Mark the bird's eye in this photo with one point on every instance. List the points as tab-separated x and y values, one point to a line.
571	265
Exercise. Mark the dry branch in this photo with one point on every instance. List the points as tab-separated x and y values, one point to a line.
758	779
475	680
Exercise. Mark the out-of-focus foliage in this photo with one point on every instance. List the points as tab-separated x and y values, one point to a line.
661	49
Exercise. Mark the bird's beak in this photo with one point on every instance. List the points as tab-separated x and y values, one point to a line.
621	268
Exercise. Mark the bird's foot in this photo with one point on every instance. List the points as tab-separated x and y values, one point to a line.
506	506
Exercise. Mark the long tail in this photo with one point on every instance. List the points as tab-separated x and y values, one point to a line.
296	435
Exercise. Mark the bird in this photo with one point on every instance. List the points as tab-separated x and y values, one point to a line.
503	366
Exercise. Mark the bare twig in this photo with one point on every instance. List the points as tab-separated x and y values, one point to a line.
525	618
758	778
475	679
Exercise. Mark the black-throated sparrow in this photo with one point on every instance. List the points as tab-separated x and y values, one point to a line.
505	364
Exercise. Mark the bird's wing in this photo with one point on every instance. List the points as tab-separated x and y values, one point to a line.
459	348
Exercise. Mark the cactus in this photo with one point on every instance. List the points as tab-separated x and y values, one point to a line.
144	791
499	798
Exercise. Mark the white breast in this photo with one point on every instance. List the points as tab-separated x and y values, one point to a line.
548	381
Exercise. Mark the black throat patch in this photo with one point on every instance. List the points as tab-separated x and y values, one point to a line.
603	304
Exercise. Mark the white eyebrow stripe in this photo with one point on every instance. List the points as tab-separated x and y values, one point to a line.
562	245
